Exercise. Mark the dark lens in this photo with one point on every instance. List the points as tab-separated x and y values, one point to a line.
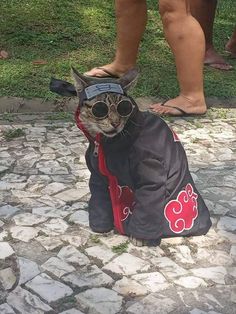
100	109
124	108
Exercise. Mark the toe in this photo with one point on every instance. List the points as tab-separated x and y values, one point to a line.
221	66
96	72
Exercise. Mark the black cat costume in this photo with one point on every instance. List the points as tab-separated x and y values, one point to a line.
140	183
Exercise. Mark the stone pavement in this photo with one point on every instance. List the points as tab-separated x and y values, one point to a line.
50	261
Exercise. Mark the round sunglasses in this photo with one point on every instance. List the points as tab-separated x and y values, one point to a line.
100	109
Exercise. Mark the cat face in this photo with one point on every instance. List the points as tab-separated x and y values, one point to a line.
108	112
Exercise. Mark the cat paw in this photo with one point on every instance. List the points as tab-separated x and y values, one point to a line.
137	242
140	242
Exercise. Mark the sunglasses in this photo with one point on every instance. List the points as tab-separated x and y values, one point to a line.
100	109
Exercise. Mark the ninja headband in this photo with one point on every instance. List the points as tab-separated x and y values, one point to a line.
64	88
97	89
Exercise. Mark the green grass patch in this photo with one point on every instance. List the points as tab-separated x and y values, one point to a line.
82	33
7	117
121	248
13	133
95	238
62	115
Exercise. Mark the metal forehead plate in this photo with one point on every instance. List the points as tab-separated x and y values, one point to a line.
97	89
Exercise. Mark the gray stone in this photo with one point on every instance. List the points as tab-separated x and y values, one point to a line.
100	301
3	169
71	311
227	223
113	240
49	243
52	212
129	287
49	289
71	255
7	278
28	219
75	240
228	235
72	195
6	186
3	236
80	217
101	253
54	227
215	257
8	211
39	179
5	250
233	295
152	304
23	194
53	188
24	234
126	264
51	167
182	253
168	267
51	201
88	278
57	267
25	302
233	252
216	274
152	281
28	270
6	309
190	282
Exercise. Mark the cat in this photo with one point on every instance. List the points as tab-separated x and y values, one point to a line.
140	182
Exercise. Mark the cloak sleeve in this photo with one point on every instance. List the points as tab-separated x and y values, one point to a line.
100	208
150	193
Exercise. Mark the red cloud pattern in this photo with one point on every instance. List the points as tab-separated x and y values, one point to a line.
182	212
126	199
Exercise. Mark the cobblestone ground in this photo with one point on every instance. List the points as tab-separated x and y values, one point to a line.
50	261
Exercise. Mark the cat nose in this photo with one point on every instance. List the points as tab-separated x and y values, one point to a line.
115	124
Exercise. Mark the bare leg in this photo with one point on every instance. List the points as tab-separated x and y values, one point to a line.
204	12
131	19
231	45
186	40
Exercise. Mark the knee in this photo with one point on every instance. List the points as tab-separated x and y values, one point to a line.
124	6
172	11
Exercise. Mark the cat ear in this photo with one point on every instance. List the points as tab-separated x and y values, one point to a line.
129	79
62	88
81	82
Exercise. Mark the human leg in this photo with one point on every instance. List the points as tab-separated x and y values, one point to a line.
186	41
231	45
131	18
204	12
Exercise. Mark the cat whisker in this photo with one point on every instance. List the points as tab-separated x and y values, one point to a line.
134	123
126	132
122	133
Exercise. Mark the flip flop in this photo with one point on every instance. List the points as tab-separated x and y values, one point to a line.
181	111
108	74
217	66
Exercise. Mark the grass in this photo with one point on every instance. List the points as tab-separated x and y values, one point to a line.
82	33
65	116
121	248
13	133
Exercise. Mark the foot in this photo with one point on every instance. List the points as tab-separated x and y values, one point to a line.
214	60
186	105
139	242
108	70
231	47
